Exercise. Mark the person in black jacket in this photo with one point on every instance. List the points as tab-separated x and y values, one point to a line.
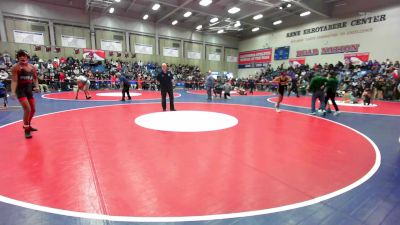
165	78
125	84
252	84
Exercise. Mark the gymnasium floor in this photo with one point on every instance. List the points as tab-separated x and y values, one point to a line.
235	161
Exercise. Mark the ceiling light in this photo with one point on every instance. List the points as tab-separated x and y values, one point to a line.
111	10
305	13
174	22
255	29
145	17
156	6
237	24
280	7
233	10
257	17
199	27
205	2
213	20
277	22
288	5
187	14
117	0
220	31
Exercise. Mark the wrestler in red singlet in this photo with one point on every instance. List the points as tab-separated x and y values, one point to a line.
24	80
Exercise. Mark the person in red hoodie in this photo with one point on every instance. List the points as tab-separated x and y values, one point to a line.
55	64
62	80
113	81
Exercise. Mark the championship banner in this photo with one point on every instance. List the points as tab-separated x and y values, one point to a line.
214	57
96	55
297	62
232	59
256	58
356	58
26	37
73	42
111	45
171	52
144	49
193	55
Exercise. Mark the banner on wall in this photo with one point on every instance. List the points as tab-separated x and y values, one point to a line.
96	55
73	42
194	55
282	53
26	37
257	58
144	49
111	45
297	62
356	58
232	59
214	57
171	52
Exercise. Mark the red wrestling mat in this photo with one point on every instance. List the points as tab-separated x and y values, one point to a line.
377	107
233	93
98	160
110	95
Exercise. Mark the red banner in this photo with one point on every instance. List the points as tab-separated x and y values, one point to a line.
356	58
256	58
297	62
96	55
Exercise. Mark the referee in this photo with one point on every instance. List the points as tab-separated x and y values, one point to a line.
165	78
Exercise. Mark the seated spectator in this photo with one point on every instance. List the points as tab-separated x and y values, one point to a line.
42	85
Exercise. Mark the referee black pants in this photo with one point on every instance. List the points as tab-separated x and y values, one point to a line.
125	89
164	99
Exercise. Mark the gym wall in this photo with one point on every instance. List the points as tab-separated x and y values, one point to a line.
21	14
380	39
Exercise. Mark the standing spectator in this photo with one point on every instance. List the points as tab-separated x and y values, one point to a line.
317	86
125	84
294	86
367	96
209	85
165	78
331	87
113	81
227	90
252	84
379	85
61	78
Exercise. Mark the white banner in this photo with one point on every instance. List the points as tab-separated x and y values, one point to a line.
73	42
233	59
26	37
111	45
144	49
194	55
214	57
172	52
